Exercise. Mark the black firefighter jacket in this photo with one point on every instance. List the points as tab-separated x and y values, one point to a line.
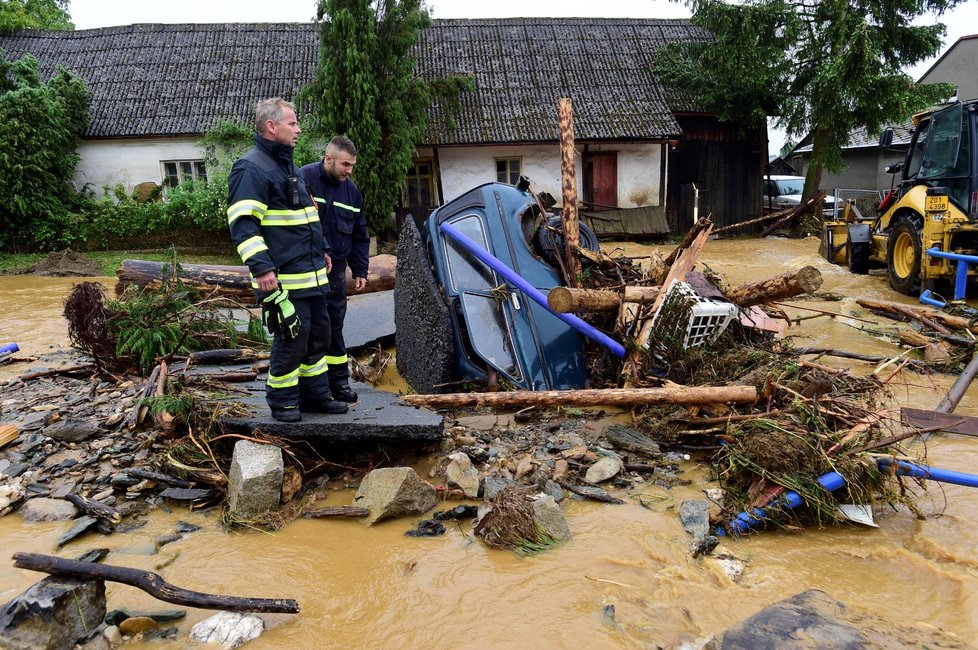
270	231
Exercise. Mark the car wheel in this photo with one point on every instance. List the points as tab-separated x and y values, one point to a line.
903	255
548	242
857	257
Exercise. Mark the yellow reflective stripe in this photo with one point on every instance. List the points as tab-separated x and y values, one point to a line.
319	199
285	381
315	369
337	361
285	217
293	281
312	214
246	207
251	246
345	206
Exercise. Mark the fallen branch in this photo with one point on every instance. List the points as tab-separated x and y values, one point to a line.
151	583
58	371
591	397
159	477
94	508
336	511
802	208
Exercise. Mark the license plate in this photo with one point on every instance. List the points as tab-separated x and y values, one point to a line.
936	204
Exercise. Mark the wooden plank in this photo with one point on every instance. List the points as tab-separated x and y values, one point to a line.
966	425
8	433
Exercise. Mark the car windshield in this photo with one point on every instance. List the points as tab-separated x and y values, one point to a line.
791	186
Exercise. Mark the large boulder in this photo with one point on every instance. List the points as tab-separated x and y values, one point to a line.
255	480
46	509
550	518
229	629
460	473
810	619
53	613
394	492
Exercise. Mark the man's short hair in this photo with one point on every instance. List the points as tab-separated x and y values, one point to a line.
272	109
341	143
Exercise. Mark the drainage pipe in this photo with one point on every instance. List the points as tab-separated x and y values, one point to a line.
832	481
535	294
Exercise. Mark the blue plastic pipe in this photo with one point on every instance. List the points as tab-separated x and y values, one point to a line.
10	347
832	481
961	274
497	265
927	299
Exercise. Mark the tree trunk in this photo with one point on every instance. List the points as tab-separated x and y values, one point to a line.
590	397
568	184
805	280
567	299
234	281
151	583
955	322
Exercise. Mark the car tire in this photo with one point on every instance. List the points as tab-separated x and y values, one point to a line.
903	257
857	257
548	242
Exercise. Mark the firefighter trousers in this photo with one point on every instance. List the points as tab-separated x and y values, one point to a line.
297	367
339	362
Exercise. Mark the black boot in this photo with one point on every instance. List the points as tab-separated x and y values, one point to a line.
344	393
328	406
287	414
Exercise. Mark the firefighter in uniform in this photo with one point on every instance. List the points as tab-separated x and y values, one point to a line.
344	224
276	229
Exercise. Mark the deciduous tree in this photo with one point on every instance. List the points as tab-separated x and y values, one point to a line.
821	67
40	126
34	14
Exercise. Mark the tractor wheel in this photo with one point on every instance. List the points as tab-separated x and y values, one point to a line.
903	255
857	257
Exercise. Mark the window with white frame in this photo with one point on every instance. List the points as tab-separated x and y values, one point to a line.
508	170
178	171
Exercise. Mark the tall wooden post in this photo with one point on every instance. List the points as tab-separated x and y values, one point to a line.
568	184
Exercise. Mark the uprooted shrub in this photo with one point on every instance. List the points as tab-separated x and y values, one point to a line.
152	323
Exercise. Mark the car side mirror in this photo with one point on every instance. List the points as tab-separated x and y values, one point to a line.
894	168
886	137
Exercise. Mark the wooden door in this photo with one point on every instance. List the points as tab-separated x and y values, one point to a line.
601	180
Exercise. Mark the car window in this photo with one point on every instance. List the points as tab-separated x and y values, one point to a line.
490	333
464	270
791	186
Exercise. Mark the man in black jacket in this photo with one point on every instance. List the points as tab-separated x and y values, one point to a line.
340	206
278	235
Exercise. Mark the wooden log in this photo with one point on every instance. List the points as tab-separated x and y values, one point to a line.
590	397
804	207
954	322
688	239
220	357
8	433
805	280
159	477
151	583
94	508
233	377
957	390
235	281
68	370
139	410
750	222
569	299
336	511
568	186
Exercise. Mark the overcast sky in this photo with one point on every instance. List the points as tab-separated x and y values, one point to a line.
87	14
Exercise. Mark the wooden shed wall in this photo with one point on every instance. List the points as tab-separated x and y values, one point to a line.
725	165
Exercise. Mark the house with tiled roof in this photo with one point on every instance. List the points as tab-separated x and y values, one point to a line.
865	161
157	88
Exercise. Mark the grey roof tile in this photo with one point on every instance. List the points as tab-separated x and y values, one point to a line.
159	80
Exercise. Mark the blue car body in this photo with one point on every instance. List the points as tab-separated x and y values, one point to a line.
496	325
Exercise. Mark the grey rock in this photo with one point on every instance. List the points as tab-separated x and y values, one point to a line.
116	616
491	486
81	525
12	491
554	490
35	421
810	619
53	613
550	518
394	492
255	479
632	441
230	629
45	509
72	430
15	469
603	469
694	514
460	473
122	479
112	635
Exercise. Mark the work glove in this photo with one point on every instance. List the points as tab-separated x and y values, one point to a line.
278	314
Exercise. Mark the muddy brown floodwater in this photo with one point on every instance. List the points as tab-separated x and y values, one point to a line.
363	587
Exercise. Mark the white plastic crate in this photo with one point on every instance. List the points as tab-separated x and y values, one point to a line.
690	317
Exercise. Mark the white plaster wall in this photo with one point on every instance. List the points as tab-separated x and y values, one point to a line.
130	162
463	168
